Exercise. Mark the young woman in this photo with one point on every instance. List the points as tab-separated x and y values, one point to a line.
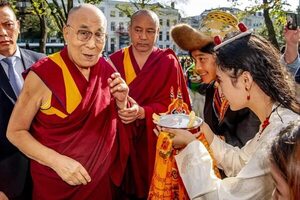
285	163
236	127
250	76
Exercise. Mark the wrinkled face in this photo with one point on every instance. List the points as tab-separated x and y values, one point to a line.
85	37
9	31
234	93
143	33
281	191
205	65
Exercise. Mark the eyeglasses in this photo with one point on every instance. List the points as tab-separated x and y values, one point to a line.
85	35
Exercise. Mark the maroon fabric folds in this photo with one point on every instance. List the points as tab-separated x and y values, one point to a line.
87	134
151	89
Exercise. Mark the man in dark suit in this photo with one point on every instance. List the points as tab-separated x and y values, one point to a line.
15	178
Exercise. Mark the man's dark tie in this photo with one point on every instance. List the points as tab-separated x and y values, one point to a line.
13	76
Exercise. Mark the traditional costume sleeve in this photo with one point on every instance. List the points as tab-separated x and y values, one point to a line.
230	159
253	180
195	168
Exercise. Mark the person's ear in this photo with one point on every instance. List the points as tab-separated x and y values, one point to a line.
66	33
18	26
247	79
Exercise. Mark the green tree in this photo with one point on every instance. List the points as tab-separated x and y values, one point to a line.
59	10
39	9
274	17
49	11
129	9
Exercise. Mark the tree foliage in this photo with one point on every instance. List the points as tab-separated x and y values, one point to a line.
274	17
60	9
154	5
51	13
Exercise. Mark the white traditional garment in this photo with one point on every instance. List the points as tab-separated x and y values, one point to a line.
247	168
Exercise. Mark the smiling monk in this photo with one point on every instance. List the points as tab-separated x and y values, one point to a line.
65	119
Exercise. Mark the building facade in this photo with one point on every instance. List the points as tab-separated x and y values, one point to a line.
117	24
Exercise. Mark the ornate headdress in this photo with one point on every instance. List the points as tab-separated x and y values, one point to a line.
243	32
215	23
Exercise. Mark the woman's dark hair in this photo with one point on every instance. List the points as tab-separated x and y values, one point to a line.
261	59
285	154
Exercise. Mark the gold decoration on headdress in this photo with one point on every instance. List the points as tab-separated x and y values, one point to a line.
218	23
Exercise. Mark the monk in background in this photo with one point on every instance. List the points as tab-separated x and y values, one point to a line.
65	119
153	75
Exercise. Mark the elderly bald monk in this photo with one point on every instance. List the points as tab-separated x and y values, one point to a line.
66	117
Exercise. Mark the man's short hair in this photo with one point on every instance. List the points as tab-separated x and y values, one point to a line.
4	3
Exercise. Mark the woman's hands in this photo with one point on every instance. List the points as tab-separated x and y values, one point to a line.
180	138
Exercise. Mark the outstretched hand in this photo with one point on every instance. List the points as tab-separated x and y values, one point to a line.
118	89
180	137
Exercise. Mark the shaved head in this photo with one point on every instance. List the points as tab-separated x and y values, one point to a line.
84	34
143	12
88	8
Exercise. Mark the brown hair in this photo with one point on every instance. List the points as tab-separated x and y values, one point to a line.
285	154
4	3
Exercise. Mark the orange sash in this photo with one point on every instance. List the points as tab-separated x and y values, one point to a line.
73	96
166	182
128	67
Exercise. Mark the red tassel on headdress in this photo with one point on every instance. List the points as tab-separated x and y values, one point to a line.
242	27
217	40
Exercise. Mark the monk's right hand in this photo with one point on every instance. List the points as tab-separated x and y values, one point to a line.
71	171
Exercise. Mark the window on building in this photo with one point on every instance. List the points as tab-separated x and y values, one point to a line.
167	46
160	22
160	36
113	26
112	47
121	14
102	9
112	40
121	26
112	13
161	46
168	23
168	36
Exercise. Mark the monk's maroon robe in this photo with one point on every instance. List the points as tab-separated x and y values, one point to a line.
151	90
87	134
